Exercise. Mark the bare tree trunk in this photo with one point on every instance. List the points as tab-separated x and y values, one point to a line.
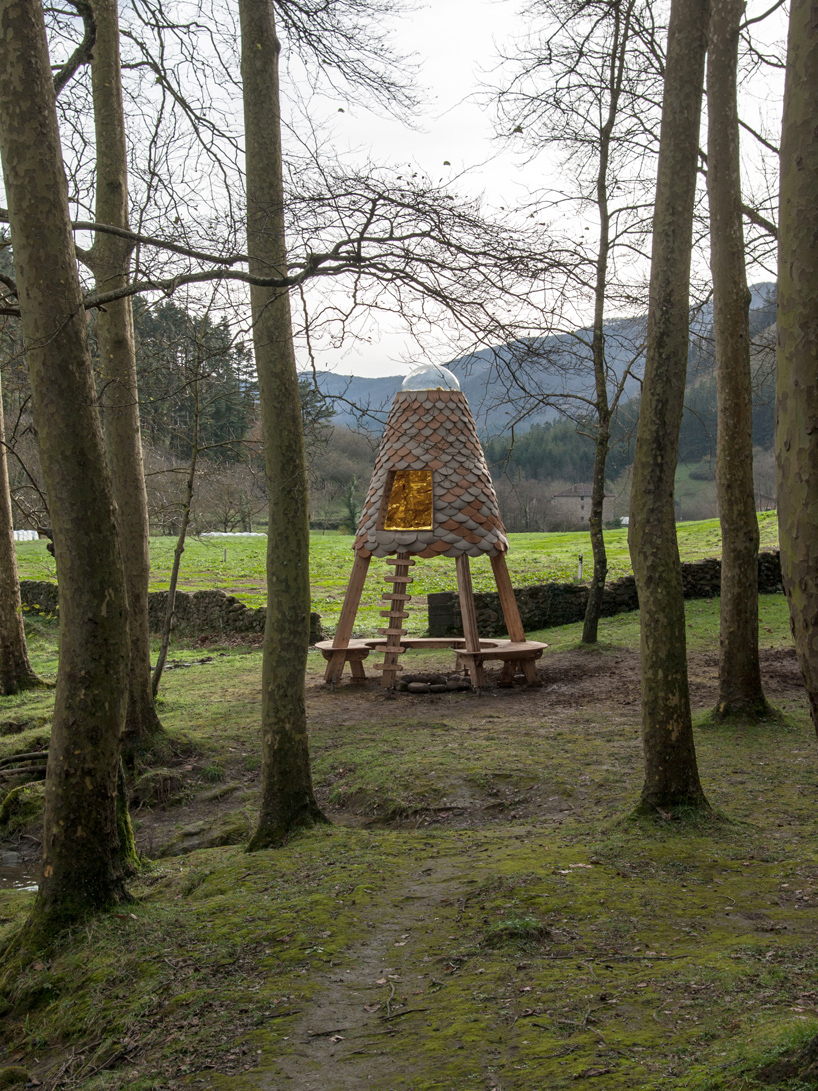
16	673
602	439
593	609
170	602
82	870
288	801
740	691
796	431
109	260
671	773
618	56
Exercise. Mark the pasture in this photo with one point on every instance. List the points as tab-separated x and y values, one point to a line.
483	912
237	566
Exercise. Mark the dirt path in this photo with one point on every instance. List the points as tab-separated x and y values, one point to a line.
354	1034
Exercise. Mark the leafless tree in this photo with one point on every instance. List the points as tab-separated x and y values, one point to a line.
587	83
83	850
740	690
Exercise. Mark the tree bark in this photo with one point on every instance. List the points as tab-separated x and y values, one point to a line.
16	672
82	870
288	801
593	609
796	431
109	260
170	602
740	691
671	772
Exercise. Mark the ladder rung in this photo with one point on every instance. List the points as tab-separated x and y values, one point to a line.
396	614
392	578
398	560
392	632
395	596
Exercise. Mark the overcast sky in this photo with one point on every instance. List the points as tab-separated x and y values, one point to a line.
456	43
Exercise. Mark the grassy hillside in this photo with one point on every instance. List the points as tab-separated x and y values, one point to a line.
237	565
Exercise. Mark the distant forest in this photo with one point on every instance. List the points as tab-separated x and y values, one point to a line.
564	448
529	467
198	392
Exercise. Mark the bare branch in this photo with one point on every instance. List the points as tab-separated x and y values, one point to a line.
82	54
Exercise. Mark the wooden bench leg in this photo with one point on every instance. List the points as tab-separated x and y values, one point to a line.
358	672
335	666
469	616
476	670
355	587
530	671
506	678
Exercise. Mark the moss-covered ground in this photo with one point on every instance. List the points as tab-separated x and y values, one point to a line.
483	914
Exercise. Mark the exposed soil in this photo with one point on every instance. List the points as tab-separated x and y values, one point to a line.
351	1037
364	1023
574	680
583	677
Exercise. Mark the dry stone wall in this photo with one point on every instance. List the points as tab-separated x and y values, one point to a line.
201	612
549	604
541	607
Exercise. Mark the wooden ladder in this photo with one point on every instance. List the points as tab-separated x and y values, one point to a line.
398	598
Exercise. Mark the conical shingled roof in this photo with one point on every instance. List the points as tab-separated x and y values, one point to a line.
434	430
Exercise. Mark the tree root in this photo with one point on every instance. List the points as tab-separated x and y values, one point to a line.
274	835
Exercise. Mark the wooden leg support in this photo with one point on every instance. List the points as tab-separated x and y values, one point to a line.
511	613
530	671
507	673
467	611
352	600
358	672
508	603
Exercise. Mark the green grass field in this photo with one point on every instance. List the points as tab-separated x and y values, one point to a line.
483	914
237	565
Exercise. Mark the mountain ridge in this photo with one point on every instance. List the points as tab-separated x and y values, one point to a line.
536	380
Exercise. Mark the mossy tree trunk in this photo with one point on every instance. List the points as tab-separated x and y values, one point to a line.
109	260
287	801
796	431
740	691
82	870
16	672
671	772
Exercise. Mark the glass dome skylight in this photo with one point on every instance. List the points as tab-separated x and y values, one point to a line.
430	377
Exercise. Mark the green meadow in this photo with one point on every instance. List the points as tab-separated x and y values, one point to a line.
237	566
483	913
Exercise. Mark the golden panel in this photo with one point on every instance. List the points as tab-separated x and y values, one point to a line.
410	501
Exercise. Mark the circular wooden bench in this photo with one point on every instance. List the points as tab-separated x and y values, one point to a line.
513	655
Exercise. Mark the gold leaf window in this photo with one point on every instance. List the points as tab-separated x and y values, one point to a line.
410	501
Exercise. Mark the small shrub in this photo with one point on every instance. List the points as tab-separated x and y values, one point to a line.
22	807
517	932
157	787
